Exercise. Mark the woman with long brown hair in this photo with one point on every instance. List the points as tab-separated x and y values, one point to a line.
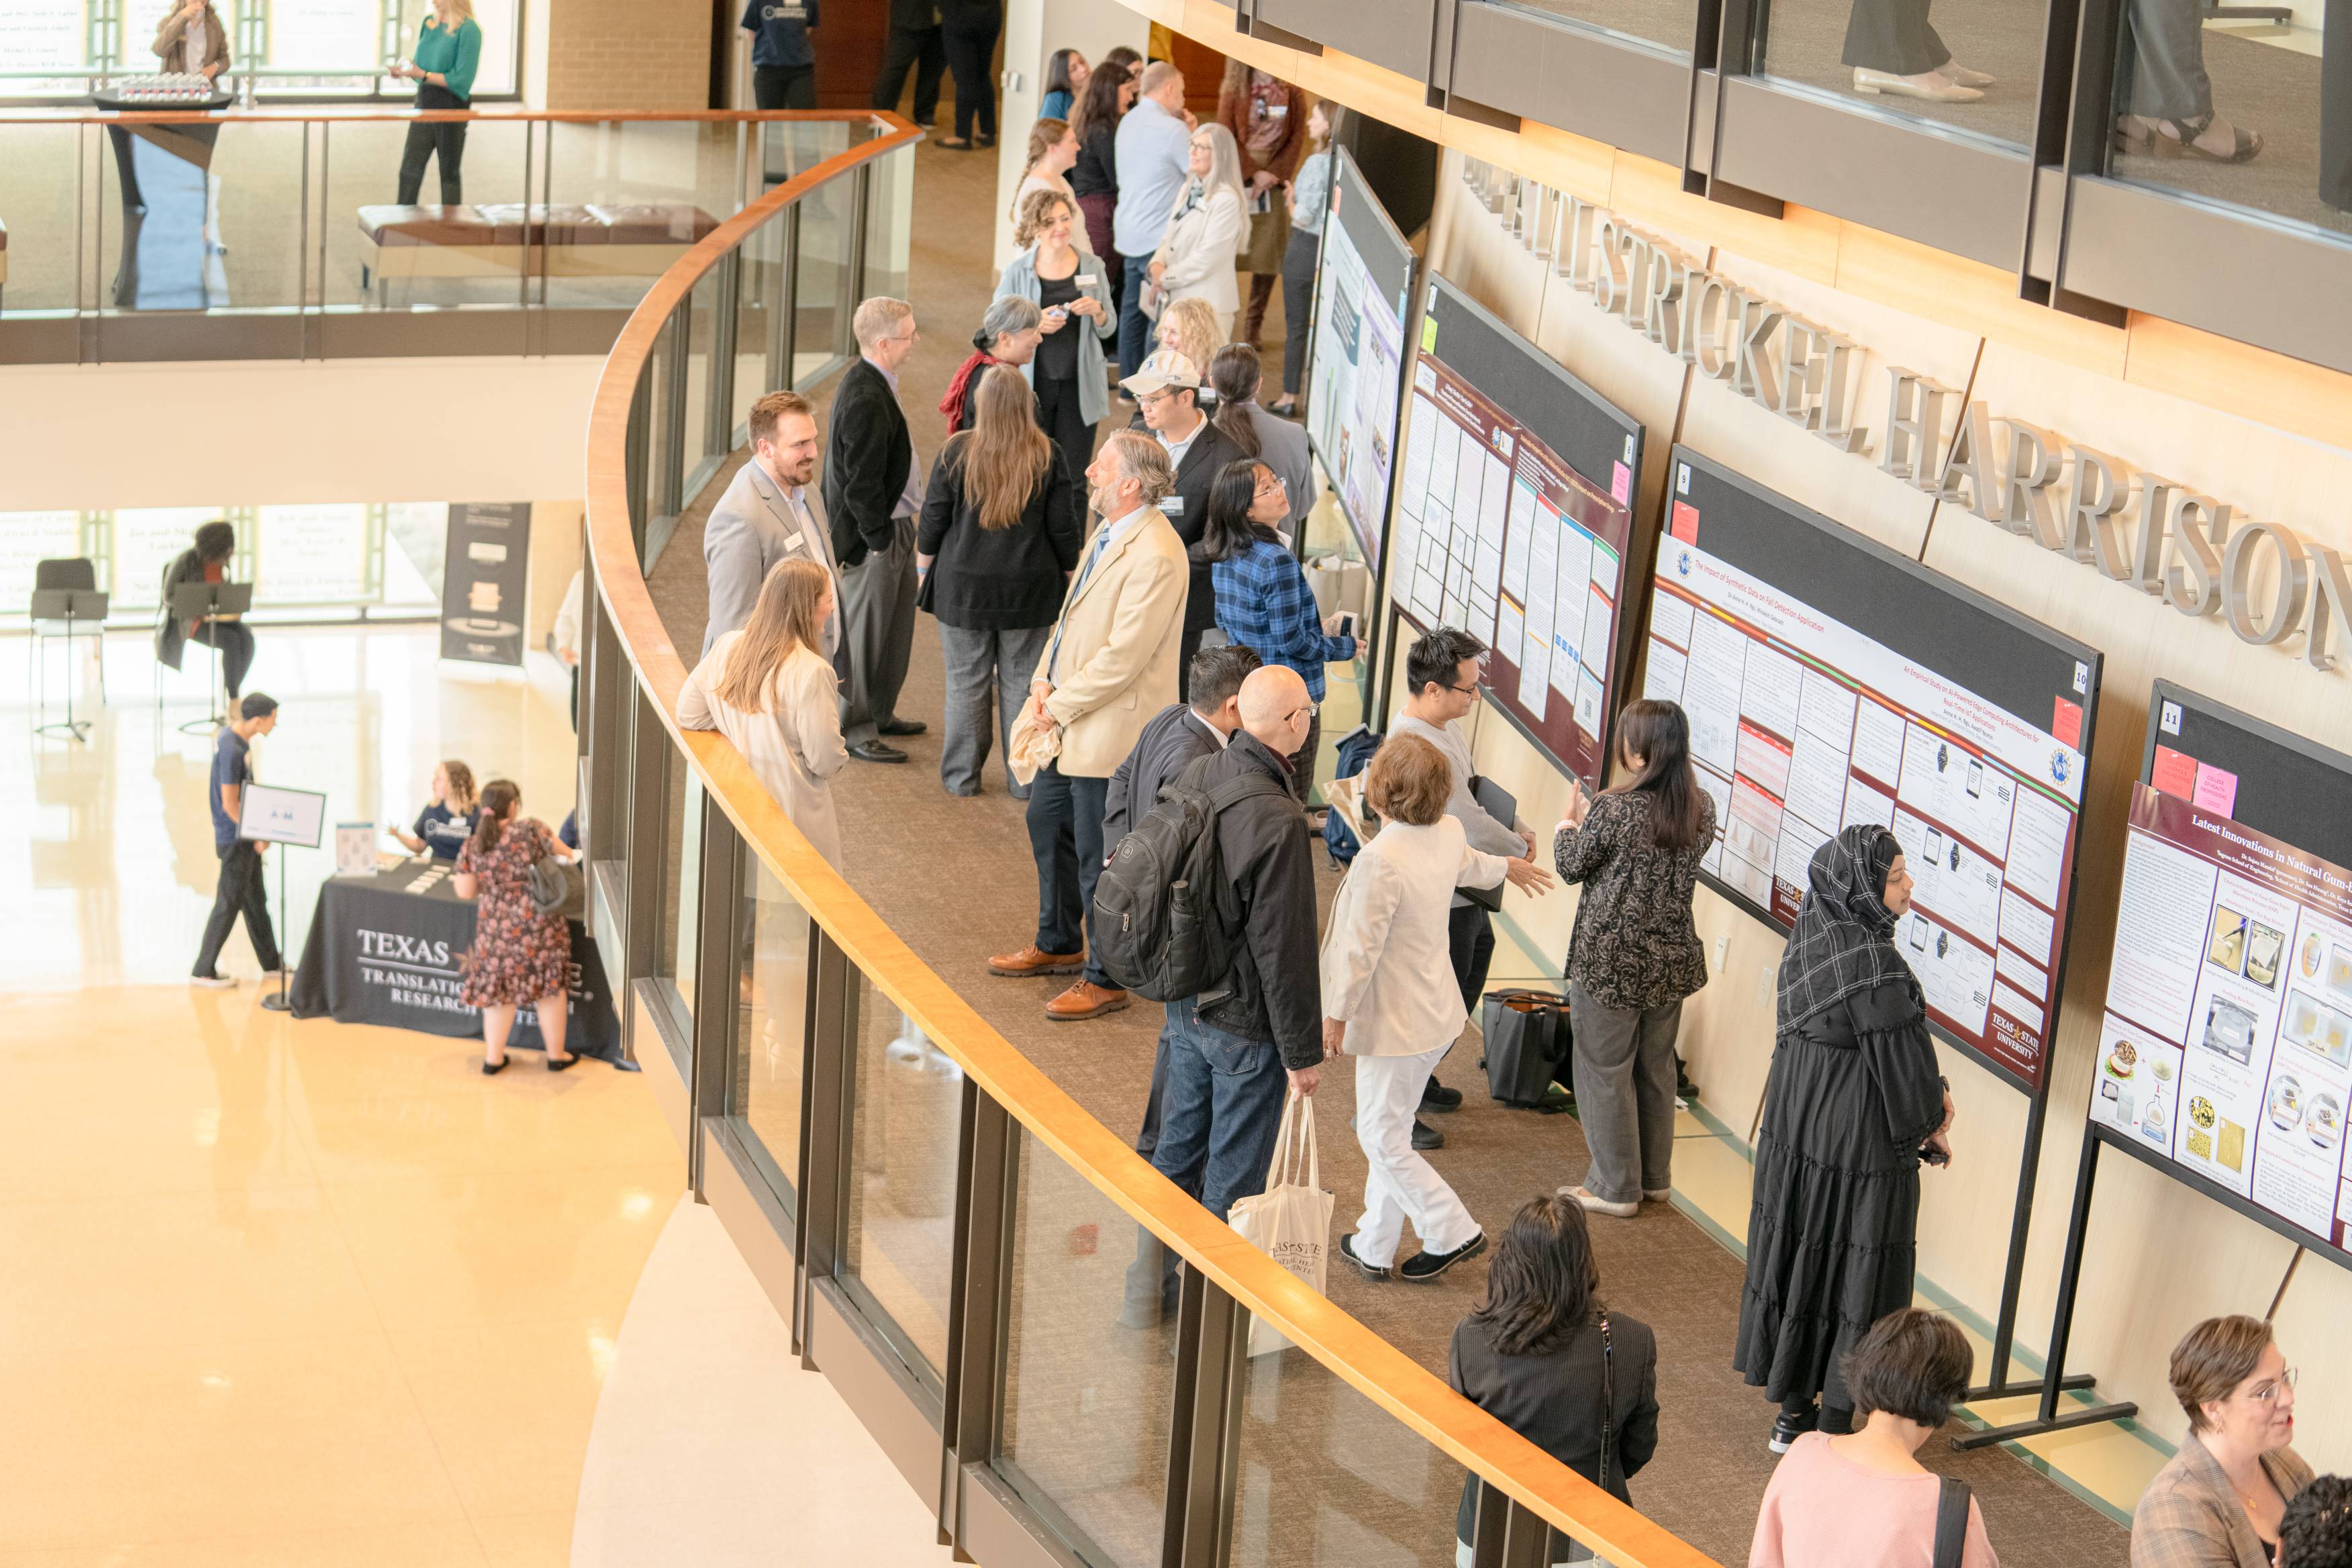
1002	520
1634	953
770	691
1109	94
518	954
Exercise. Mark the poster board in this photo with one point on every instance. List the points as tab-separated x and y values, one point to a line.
1514	522
1363	295
1829	681
2225	1048
485	575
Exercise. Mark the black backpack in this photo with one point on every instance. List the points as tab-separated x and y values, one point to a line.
1164	926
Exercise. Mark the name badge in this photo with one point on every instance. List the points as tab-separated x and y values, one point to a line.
1277	111
796	541
1173	506
1086	279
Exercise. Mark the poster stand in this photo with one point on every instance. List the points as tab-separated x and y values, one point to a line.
290	819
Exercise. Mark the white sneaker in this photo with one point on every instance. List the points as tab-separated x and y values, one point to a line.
213	982
1933	86
1599	1206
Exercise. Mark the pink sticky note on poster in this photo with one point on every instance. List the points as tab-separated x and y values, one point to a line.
1683	522
2216	790
2175	772
2066	721
1621	484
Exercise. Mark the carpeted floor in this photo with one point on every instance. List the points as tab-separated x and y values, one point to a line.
1325	1476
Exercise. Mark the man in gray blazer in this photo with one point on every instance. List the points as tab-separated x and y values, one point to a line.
770	512
1281	443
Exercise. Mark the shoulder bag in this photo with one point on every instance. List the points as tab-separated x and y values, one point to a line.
1951	1523
556	887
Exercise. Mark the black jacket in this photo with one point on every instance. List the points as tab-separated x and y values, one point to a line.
999	579
1173	740
1276	992
1553	1400
1095	174
867	453
1204	460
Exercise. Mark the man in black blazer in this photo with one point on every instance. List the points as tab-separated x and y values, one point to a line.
915	40
872	494
1166	389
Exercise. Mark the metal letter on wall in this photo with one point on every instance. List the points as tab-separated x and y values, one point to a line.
485	570
2290	583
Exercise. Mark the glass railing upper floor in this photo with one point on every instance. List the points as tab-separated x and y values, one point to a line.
303	232
930	1181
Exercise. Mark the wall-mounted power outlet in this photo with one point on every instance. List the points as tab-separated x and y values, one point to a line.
1722	946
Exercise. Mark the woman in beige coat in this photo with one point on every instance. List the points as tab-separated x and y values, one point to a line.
192	39
768	691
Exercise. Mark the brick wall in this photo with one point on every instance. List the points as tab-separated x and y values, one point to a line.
628	54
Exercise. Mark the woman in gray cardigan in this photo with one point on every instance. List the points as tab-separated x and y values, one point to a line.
1064	278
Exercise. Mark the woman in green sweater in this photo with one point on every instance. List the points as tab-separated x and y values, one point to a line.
448	47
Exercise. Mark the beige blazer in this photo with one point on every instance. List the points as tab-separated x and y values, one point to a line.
2189	1516
795	748
169	37
1121	630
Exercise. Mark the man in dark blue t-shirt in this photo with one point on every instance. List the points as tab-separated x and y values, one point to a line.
241	889
784	62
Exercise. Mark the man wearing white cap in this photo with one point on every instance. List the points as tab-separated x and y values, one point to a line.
1166	389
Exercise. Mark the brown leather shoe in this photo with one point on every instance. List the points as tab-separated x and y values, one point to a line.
1084	1000
1031	959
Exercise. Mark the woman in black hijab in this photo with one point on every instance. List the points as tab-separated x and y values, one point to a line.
1853	1103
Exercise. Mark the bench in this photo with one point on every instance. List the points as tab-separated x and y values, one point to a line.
503	240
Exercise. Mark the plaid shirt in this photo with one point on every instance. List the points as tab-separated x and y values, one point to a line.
1263	604
2189	1516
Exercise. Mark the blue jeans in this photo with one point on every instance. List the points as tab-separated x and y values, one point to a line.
1134	326
1221	1111
1065	824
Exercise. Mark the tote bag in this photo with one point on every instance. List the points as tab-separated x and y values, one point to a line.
1290	1222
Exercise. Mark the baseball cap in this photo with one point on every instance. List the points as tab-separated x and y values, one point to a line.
256	705
1164	369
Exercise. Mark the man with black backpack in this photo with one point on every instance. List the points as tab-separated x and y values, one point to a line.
1240	1042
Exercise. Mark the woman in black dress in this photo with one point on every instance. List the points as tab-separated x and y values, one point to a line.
1853	1103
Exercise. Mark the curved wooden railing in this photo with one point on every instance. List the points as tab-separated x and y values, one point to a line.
1373	1366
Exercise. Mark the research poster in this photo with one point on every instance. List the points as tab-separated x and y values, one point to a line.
1801	725
2227	1040
1497	534
1352	400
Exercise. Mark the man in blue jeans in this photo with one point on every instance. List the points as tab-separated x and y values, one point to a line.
1152	153
1237	1050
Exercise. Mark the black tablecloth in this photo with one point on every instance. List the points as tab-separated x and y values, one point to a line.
379	953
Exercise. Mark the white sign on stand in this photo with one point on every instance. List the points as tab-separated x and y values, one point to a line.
274	815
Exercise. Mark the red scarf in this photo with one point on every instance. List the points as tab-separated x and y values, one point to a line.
952	404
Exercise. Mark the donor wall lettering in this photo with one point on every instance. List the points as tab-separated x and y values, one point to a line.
2135	527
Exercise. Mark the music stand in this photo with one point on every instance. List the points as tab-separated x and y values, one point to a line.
69	605
204	602
289	818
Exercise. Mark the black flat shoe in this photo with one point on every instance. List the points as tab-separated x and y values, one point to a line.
876	752
492	1068
1425	1137
902	726
1425	1266
1371	1270
556	1064
1435	1095
1791	1426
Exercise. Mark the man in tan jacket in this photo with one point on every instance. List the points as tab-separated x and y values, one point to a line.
1109	665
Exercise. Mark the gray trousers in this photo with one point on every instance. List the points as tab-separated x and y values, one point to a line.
981	664
1893	36
1625	1095
2164	62
878	633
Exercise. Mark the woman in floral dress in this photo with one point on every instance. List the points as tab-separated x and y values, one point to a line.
518	954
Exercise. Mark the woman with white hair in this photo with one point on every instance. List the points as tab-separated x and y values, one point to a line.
1008	334
1076	289
1206	230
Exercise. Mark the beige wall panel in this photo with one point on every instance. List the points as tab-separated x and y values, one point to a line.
1726	1035
1803	242
1565	162
1536	782
2254	383
1970	296
1965	1209
2311	1321
1472	250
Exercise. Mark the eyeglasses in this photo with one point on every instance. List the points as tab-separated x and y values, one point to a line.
2267	1393
1269	485
1470	691
1309	710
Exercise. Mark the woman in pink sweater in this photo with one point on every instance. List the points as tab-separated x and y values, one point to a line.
1863	1500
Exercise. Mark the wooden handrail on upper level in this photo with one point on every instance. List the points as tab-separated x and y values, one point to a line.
283	113
1367	1362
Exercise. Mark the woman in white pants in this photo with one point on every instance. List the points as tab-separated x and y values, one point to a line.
1390	1001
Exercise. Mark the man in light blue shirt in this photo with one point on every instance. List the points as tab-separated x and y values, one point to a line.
1153	152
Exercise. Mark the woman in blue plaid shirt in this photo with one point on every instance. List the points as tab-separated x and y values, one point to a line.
1263	600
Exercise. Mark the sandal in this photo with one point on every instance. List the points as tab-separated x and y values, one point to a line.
2186	138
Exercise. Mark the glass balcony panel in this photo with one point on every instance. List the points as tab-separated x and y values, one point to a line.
200	215
764	1097
41	214
889	223
1668	23
784	149
1084	1439
907	1129
825	295
1329	1479
759	318
2276	142
1890	55
681	880
627	198
704	448
379	258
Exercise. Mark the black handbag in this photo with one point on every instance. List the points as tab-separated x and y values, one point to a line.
1951	1523
1526	1037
